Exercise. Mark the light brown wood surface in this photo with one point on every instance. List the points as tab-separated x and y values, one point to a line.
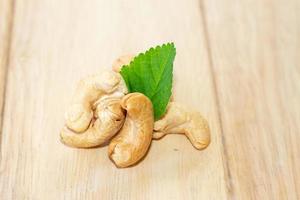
257	77
5	38
237	62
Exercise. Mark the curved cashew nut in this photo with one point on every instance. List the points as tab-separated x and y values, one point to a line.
179	120
109	119
89	90
134	139
123	60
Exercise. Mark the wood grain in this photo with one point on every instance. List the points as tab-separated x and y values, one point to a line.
254	49
6	18
54	44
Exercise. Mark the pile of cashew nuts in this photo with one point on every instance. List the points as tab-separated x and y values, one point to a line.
102	112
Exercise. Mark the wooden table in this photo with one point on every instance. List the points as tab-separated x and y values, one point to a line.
238	63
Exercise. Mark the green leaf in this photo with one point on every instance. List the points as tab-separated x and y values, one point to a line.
151	73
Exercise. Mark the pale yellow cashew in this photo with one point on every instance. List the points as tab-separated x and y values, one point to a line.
95	114
134	139
121	61
109	119
89	90
179	120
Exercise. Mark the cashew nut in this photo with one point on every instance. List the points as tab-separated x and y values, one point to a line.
89	90
134	139
102	94
123	60
109	119
179	120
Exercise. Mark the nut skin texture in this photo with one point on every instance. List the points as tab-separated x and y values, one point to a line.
95	114
110	118
123	60
80	112
179	120
134	139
